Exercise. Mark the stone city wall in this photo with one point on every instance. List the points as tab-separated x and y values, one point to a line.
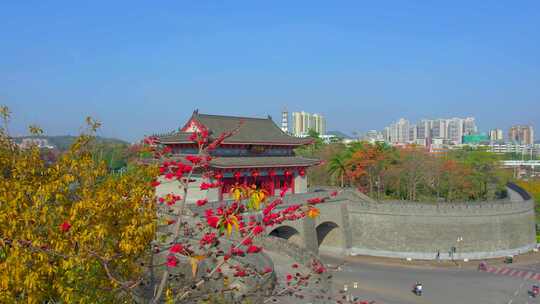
418	230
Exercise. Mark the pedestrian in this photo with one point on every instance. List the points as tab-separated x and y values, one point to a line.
438	256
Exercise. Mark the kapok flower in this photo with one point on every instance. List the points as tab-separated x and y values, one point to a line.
237	251
194	159
240	273
172	261
208	239
202	202
253	249
315	200
176	248
258	230
313	212
212	221
65	226
247	242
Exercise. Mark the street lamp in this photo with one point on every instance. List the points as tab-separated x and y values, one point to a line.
459	239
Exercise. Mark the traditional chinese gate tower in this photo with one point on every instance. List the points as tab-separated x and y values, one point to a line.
259	153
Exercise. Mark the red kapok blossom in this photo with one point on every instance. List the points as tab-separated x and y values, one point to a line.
194	159
334	193
155	183
247	242
208	238
237	251
202	202
289	277
258	230
65	226
253	249
172	261
187	168
176	248
315	200
240	273
294	265
267	269
166	150
212	221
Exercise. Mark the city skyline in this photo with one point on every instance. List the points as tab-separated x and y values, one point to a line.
147	67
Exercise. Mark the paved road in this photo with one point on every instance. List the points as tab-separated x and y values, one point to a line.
392	285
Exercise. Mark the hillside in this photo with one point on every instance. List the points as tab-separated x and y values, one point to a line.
63	142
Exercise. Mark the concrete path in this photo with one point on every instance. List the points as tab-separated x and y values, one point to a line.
392	285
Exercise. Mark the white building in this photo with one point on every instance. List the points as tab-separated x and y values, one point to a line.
455	130
285	121
302	122
469	126
423	132
496	135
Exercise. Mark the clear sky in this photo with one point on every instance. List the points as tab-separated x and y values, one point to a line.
144	66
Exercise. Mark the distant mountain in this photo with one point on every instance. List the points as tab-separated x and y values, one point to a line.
63	142
339	134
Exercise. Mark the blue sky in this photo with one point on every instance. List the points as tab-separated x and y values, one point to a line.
143	67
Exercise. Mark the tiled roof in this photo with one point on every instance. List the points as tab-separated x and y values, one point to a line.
179	137
251	131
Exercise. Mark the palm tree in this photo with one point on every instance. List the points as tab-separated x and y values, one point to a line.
337	167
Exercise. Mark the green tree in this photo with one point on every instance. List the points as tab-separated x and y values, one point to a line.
337	167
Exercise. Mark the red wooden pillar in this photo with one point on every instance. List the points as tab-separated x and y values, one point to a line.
292	182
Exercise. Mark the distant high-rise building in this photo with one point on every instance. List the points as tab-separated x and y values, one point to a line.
423	129
438	128
285	121
455	130
302	122
374	136
496	135
449	131
318	124
399	132
469	126
413	133
523	135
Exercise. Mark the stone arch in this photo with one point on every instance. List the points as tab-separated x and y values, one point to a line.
287	232
329	235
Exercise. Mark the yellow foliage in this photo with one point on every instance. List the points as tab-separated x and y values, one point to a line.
109	216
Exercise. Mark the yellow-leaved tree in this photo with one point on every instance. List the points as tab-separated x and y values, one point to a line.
70	230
